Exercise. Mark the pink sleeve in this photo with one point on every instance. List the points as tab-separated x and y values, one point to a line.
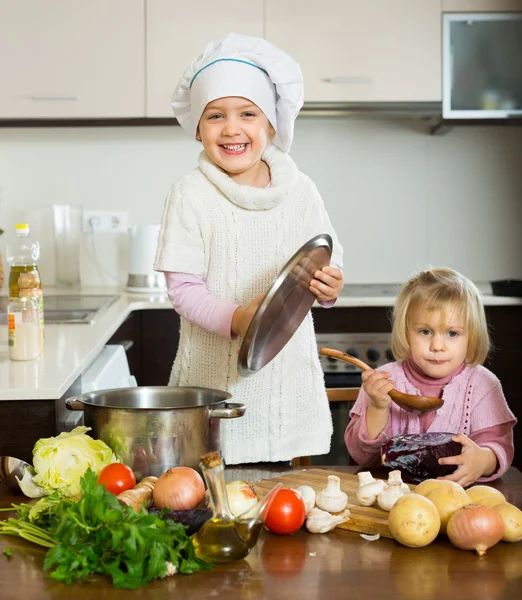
192	300
498	438
365	452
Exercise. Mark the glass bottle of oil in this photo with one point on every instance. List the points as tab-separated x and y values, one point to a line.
225	538
22	255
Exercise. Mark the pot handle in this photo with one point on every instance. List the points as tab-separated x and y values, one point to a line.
74	403
230	411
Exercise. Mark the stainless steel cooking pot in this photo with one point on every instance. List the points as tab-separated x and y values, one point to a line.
151	429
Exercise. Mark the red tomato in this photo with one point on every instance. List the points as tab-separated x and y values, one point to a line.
117	478
287	513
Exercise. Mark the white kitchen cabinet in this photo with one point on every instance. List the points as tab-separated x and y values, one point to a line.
72	59
481	5
178	31
353	51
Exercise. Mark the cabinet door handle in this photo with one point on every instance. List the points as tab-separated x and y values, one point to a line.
52	97
348	80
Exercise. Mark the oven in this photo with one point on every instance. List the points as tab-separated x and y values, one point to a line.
375	350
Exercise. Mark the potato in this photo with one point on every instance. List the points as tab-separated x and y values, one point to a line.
512	517
485	495
448	498
414	521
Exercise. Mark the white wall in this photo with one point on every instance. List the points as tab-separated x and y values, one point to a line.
399	198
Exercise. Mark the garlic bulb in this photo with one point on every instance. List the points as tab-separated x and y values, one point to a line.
389	496
369	488
332	499
320	521
307	493
396	476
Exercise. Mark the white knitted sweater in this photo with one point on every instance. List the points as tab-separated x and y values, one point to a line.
238	238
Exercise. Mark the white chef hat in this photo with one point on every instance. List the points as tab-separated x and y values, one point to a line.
248	67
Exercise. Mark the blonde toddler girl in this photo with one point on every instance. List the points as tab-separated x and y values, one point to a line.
440	339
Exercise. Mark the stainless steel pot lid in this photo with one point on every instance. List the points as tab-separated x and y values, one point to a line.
284	307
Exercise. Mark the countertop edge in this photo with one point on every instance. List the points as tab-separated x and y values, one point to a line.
62	341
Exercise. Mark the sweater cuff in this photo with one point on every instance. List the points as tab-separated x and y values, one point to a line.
226	310
501	459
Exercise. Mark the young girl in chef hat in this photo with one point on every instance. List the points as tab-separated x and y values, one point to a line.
227	230
440	338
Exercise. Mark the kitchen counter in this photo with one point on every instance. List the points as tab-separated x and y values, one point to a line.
302	566
71	349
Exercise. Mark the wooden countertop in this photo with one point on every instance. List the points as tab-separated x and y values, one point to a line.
339	564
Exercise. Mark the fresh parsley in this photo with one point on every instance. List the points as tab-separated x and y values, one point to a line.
99	536
8	552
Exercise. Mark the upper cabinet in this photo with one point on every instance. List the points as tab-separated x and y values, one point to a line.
72	59
177	32
481	5
353	51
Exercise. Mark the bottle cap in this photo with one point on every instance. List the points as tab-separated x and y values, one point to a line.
22	227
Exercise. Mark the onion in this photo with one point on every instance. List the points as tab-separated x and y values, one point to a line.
179	488
512	517
476	528
485	495
241	497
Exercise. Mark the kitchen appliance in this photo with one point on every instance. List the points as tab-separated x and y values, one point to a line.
110	370
69	309
152	429
284	306
67	221
142	276
481	74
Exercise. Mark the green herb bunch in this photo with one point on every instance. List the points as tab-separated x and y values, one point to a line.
97	535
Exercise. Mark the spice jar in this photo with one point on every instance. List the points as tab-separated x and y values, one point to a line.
23	328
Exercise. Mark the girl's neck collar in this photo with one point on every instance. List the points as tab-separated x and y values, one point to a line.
411	368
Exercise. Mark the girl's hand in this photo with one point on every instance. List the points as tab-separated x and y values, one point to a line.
243	316
377	385
327	284
472	462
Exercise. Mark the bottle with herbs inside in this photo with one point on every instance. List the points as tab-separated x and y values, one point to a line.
225	538
22	255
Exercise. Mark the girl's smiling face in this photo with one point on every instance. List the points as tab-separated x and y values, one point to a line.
438	340
235	132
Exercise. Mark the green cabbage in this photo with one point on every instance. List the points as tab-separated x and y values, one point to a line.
61	461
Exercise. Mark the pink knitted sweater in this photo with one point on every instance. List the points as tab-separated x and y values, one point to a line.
474	404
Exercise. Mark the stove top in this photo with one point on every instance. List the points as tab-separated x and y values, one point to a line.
74	308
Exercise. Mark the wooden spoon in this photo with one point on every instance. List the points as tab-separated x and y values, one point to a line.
422	403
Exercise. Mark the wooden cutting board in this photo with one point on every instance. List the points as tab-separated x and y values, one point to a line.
363	519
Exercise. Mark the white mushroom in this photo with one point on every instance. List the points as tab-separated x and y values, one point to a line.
332	499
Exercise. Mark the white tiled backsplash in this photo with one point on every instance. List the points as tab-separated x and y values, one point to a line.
400	199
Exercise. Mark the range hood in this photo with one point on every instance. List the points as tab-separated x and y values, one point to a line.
384	110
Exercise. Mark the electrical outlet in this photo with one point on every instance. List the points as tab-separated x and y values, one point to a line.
105	221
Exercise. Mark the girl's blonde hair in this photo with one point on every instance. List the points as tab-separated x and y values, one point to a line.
441	289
